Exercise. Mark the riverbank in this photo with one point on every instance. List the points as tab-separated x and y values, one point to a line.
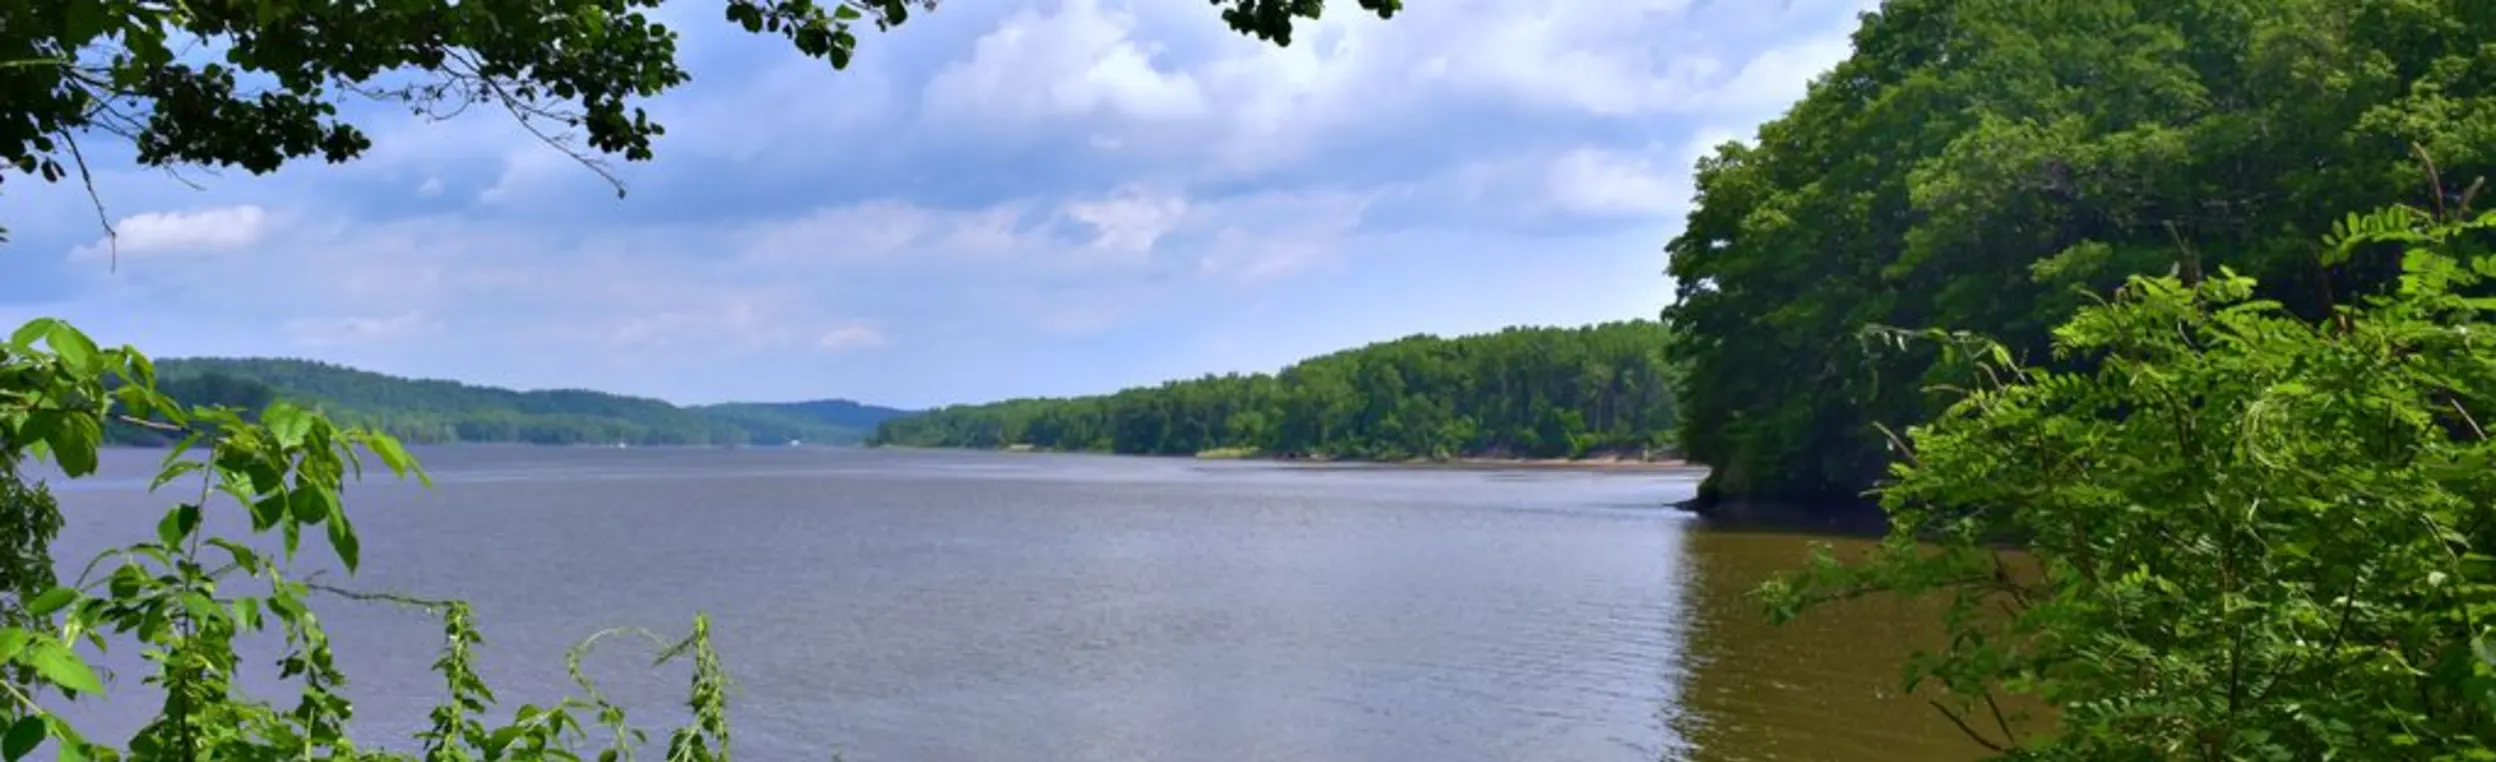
1597	462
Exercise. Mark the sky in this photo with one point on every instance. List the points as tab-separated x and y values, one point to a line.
1003	198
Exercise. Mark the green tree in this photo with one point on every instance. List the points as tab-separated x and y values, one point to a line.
1988	164
2253	534
1562	392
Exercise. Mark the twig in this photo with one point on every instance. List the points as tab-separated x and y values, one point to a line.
358	595
1999	721
2465	417
148	424
1972	735
112	238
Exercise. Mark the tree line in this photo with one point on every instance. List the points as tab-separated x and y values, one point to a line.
1994	165
430	411
1527	392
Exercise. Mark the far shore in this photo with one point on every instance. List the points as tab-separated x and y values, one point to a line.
1599	462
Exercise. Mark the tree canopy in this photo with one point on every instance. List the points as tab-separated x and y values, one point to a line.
1533	392
1988	165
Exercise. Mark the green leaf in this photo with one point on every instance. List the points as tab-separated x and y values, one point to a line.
50	601
62	666
268	512
23	736
72	346
387	448
74	443
311	503
25	335
286	422
174	470
846	12
12	642
177	524
343	540
85	20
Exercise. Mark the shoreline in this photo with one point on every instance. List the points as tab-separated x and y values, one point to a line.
1607	462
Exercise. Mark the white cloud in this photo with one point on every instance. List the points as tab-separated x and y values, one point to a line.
870	231
179	233
1130	222
849	337
1053	195
1599	183
1080	60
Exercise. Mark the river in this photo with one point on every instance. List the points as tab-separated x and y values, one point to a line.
934	606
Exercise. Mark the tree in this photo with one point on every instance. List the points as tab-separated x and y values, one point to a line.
2249	534
1989	165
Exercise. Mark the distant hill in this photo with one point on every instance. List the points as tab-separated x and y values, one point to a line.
1598	391
439	411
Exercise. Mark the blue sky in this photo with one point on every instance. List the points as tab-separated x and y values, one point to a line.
1000	199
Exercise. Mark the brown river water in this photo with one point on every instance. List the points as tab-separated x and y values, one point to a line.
991	606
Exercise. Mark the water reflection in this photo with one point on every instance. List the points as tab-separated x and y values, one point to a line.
1823	687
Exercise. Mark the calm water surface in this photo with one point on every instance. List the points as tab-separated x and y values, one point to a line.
980	606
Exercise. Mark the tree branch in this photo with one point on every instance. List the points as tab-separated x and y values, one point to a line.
1972	735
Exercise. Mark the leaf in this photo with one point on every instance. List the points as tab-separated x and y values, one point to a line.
286	422
85	20
73	347
174	470
177	524
12	642
50	601
23	736
62	666
391	453
74	443
311	503
343	540
24	337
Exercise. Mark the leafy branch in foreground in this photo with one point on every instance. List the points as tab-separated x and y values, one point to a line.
177	596
2247	535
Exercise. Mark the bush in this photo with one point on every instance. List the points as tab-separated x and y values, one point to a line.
175	595
2248	535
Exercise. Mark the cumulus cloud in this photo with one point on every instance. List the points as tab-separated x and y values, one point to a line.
1036	196
1079	60
175	233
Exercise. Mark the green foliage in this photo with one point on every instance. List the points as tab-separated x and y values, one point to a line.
1987	164
176	596
433	411
2249	535
1537	392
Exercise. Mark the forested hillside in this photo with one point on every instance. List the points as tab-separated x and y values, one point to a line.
436	411
1534	392
1988	165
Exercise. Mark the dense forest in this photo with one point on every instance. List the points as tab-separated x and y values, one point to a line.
1532	392
436	411
1993	165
